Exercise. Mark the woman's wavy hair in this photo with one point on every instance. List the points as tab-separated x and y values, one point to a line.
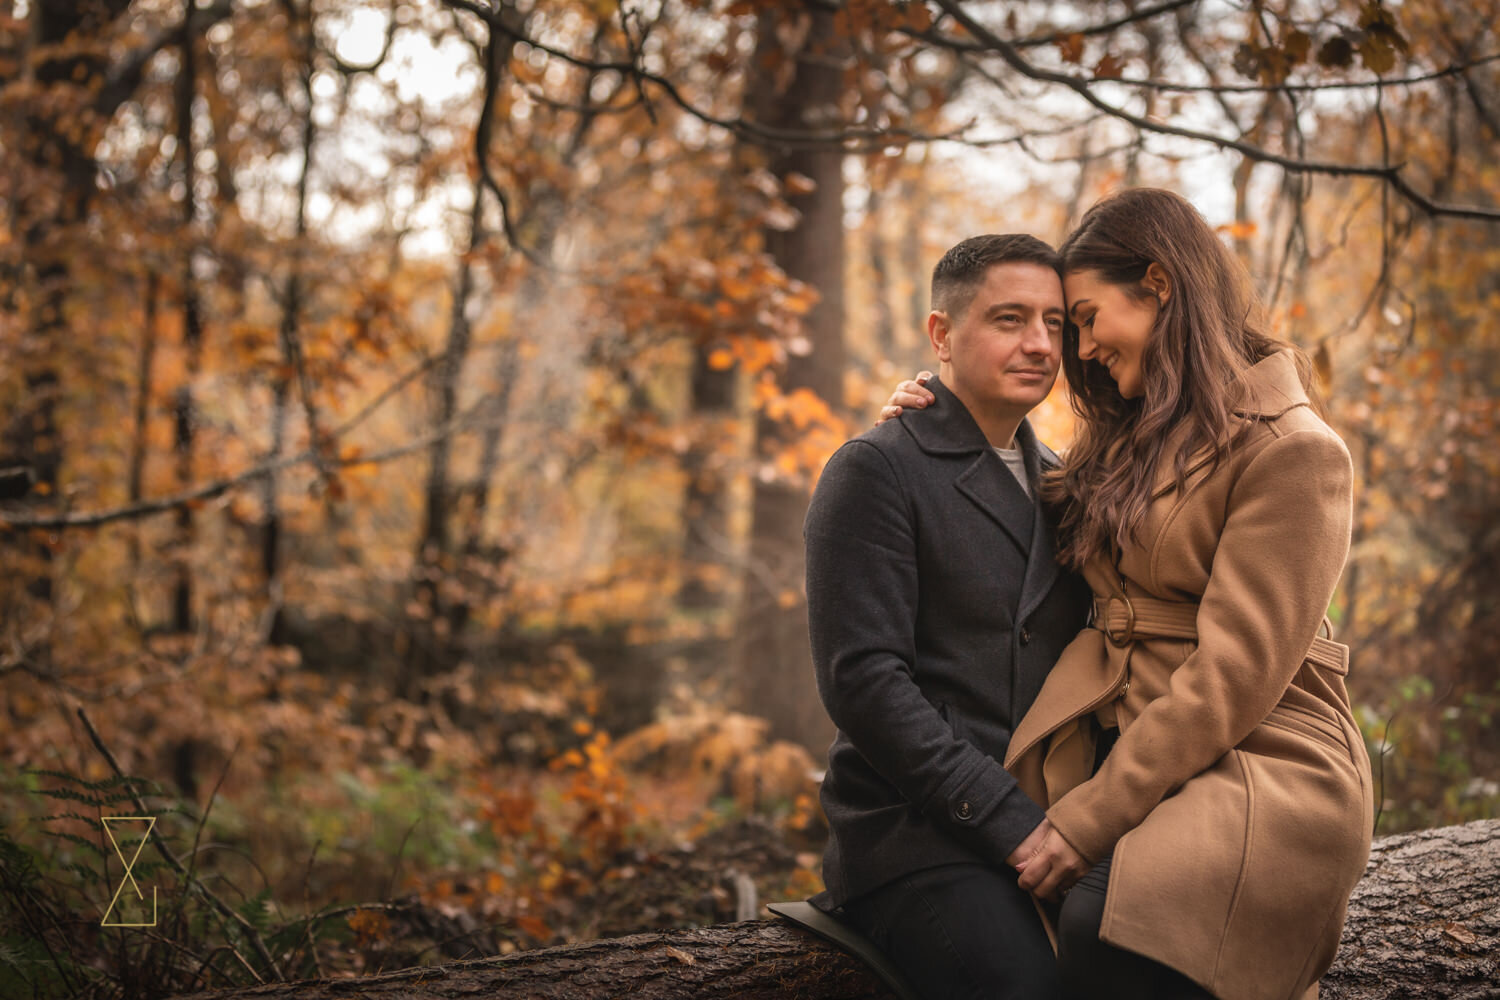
1210	330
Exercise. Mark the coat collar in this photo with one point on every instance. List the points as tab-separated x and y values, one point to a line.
947	428
1265	391
1270	387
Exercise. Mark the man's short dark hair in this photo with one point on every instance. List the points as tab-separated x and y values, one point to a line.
961	271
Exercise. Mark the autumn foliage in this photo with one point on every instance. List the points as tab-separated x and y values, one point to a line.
408	410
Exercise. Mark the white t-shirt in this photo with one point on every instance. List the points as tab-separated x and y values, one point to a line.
1016	462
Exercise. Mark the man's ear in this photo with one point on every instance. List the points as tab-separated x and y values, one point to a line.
937	332
1158	283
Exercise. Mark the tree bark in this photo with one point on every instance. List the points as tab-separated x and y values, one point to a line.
1422	923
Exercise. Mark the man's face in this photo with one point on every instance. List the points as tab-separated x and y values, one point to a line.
1002	354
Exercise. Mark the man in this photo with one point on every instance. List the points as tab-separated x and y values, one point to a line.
936	608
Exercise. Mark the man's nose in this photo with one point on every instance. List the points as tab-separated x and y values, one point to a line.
1038	339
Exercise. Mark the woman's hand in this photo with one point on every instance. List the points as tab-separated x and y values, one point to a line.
911	394
1053	868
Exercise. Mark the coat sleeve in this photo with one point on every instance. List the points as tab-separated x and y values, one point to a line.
862	611
1278	560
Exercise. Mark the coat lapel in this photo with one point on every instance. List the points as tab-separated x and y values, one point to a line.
947	428
1042	569
991	487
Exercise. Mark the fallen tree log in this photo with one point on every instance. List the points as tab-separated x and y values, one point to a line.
1424	922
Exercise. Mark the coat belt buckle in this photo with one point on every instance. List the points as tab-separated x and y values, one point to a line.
1123	638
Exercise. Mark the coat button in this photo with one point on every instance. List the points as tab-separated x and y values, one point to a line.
1124	689
1025	635
963	810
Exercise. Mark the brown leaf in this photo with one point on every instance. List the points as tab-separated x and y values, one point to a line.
1109	68
1249	60
1336	53
1295	46
1377	53
1071	48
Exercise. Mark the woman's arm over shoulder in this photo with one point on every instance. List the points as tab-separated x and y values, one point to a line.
1275	569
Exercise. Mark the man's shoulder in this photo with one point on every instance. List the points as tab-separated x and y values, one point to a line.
891	440
887	436
883	458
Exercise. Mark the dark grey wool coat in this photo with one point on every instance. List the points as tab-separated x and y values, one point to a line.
936	609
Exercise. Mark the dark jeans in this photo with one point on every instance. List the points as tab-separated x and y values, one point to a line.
960	931
1092	969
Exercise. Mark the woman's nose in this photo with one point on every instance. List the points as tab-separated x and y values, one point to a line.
1085	344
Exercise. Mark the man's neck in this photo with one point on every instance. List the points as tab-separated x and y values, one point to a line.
999	429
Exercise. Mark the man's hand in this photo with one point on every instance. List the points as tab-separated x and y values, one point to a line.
1052	868
911	393
1028	847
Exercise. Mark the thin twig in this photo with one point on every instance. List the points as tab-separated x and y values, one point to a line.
160	844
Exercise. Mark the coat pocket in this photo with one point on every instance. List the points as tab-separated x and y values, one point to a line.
1306	724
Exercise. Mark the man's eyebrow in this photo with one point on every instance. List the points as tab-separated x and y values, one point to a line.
1073	309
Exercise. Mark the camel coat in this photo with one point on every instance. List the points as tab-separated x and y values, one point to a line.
1237	801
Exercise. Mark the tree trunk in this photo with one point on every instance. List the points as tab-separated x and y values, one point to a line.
1422	923
880	270
31	442
185	408
481	558
289	334
913	258
773	670
705	509
135	478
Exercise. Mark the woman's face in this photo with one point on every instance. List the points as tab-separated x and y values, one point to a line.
1114	324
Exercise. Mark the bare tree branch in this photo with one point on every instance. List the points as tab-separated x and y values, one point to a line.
1389	173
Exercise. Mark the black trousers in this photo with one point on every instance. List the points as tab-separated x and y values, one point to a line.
961	932
1091	969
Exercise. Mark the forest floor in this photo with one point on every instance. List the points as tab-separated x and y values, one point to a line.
726	874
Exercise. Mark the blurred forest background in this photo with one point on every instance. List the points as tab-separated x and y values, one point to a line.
409	408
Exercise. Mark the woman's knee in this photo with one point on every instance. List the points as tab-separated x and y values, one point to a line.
1078	923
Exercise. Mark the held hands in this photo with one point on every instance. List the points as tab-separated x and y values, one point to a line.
911	393
1048	864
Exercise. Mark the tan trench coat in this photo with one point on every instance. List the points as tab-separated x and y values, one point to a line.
1237	802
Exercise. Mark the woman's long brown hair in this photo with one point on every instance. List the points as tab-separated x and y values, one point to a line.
1209	332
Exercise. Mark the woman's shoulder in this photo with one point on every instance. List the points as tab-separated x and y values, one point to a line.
1272	401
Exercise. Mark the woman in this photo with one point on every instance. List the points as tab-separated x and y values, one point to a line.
1208	793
